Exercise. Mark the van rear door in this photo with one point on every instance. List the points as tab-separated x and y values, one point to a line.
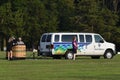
45	43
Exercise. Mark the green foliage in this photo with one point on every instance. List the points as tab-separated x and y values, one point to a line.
30	18
110	21
66	10
11	22
85	17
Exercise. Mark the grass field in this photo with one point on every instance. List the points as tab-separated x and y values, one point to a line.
83	68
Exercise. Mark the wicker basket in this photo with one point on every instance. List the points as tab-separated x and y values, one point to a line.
19	51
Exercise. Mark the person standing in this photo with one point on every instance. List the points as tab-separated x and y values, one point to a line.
75	46
9	48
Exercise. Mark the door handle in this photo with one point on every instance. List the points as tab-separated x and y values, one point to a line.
99	45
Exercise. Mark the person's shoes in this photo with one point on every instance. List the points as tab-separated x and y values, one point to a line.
11	59
73	58
8	58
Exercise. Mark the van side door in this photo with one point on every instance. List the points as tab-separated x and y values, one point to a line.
89	48
81	45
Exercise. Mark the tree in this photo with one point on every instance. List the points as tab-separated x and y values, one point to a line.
40	17
86	16
66	10
11	21
30	18
51	16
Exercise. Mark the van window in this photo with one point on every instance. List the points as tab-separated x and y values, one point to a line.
56	38
88	38
43	38
81	38
98	38
68	38
49	38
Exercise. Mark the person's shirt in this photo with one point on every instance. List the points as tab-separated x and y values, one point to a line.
9	45
20	43
14	42
74	44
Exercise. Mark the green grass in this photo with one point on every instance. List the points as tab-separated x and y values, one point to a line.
83	68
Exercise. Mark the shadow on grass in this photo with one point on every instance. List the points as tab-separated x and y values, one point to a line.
30	56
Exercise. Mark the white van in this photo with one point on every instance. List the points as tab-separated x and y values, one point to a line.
89	44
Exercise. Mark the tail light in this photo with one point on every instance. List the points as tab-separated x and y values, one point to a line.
51	46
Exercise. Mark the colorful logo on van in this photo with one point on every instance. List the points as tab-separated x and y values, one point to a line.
61	48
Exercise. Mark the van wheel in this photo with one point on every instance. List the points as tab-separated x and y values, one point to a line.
108	54
69	55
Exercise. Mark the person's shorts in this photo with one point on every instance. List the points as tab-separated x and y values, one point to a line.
74	51
9	49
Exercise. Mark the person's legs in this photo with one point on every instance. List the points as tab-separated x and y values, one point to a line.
8	53
11	55
74	54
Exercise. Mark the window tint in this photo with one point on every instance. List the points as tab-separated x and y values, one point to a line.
81	38
56	38
98	38
68	38
49	38
88	38
43	38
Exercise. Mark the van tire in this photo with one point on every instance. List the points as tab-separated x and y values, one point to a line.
108	54
69	55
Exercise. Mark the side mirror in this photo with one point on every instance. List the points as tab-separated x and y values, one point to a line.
101	41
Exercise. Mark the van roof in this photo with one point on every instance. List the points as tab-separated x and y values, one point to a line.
69	33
